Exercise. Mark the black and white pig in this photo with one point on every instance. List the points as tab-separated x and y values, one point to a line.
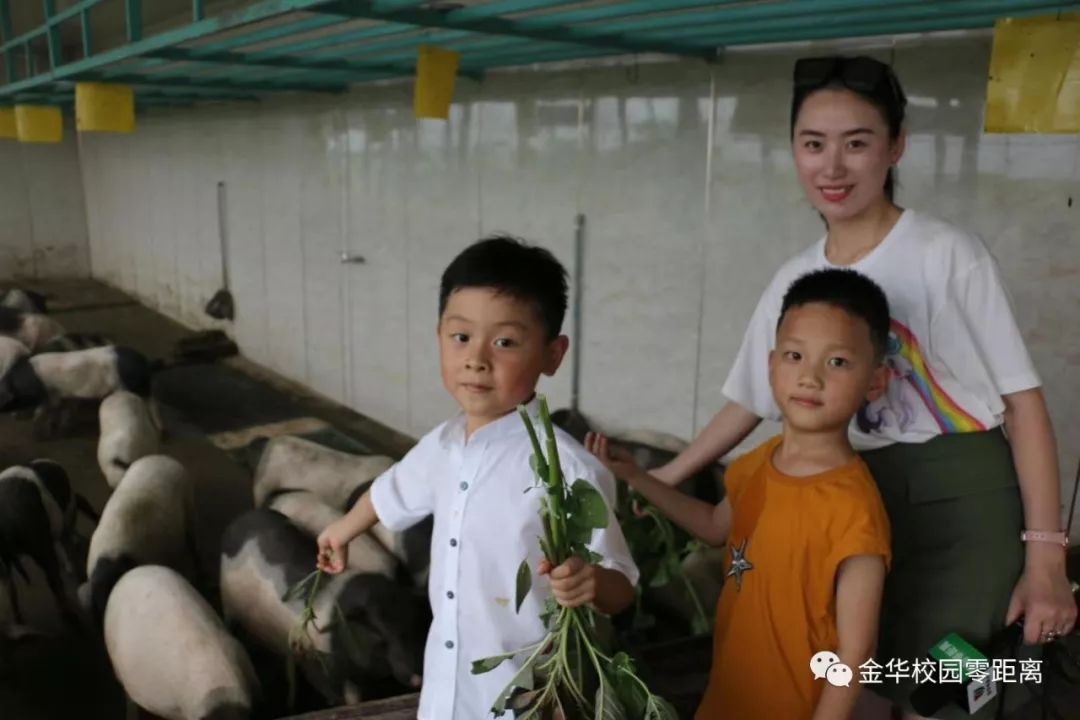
128	432
37	519
411	547
308	511
291	463
264	555
33	330
87	374
69	342
26	301
147	521
171	652
11	350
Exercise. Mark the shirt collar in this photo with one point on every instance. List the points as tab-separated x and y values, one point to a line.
453	432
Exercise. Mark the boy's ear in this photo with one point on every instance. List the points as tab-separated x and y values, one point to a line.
879	382
555	351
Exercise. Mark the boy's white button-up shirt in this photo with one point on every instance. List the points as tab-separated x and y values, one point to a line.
486	521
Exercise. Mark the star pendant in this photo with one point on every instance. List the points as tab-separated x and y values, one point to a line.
739	564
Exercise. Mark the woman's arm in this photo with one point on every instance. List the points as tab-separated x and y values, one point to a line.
860	580
726	430
1042	596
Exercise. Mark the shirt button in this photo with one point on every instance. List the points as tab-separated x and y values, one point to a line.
450	594
464	486
449	644
453	542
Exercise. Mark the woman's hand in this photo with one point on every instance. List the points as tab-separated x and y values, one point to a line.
1044	597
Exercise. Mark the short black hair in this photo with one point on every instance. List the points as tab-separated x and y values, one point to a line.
848	290
512	267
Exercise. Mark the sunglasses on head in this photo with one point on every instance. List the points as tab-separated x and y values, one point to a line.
861	74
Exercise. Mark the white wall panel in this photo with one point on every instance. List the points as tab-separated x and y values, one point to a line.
376	293
678	248
42	210
534	124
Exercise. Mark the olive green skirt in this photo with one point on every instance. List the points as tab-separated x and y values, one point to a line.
956	516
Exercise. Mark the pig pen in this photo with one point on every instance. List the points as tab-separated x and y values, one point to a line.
211	412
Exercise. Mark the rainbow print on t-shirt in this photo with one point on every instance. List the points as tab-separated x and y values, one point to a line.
950	417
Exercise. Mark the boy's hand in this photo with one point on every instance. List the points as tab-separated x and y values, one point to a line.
333	548
573	583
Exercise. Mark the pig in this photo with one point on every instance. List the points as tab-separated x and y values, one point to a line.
11	350
26	301
411	547
37	518
292	463
31	329
308	512
53	383
147	521
264	555
128	432
69	342
171	652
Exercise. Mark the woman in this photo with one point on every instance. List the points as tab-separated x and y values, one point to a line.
959	491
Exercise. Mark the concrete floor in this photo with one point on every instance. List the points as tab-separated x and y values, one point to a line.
210	412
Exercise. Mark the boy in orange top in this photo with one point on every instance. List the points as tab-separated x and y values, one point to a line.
807	531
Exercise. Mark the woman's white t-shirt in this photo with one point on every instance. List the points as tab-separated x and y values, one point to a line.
954	347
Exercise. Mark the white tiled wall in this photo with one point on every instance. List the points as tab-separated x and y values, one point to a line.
682	234
42	212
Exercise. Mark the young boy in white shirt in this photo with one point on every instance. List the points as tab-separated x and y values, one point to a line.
501	308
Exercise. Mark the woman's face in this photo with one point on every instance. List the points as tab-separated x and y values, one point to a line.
843	153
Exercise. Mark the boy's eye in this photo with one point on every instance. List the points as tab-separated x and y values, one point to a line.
857	144
839	362
812	145
793	356
505	342
459	337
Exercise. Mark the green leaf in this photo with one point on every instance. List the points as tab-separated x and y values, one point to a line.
479	667
301	588
524	583
551	611
525	677
607	705
588	505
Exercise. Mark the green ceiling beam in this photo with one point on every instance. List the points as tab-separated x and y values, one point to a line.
133	12
264	10
187	81
865	29
87	33
6	32
500	26
57	18
813	13
297	63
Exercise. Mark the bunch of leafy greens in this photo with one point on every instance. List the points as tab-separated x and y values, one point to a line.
302	642
567	671
659	549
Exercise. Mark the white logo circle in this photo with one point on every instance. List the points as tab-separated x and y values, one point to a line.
839	675
821	662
